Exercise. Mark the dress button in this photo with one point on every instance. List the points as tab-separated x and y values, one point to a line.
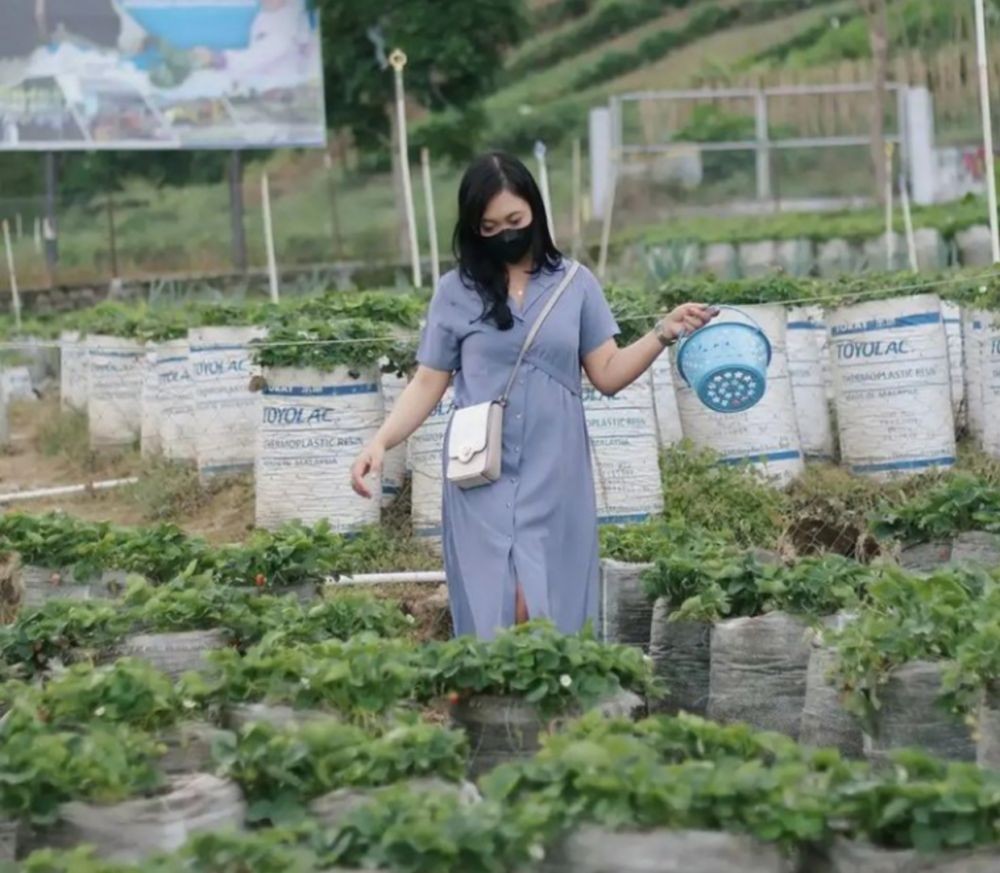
518	416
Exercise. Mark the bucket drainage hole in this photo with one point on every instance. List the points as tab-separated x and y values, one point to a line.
732	390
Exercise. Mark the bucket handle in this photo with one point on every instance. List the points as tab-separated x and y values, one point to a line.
753	321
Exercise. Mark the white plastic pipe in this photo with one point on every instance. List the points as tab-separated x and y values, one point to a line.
272	260
63	490
984	105
423	577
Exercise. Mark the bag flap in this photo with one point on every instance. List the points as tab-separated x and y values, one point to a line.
469	430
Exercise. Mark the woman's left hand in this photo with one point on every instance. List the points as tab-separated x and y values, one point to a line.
687	318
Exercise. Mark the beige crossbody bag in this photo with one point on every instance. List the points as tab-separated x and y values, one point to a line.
475	441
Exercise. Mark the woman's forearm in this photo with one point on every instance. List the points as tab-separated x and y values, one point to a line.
413	406
615	369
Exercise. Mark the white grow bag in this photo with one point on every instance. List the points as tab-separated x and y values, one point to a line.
991	383
766	435
893	386
114	394
312	426
425	451
150	427
624	453
16	383
394	466
176	400
72	371
225	409
951	314
668	417
809	383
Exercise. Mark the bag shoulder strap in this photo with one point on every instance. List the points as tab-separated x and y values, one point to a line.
571	271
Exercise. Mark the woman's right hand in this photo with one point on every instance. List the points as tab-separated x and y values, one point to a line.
369	461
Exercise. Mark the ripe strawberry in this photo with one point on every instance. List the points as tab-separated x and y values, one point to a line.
454	698
260	580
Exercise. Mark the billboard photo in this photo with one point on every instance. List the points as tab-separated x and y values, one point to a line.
113	74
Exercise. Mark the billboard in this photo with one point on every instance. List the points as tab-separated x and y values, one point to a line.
159	74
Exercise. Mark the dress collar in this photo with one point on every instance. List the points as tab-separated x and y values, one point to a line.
536	290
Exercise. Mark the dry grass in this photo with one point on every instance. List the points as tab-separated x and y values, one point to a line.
11	587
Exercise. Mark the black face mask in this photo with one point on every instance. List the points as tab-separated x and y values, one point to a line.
509	246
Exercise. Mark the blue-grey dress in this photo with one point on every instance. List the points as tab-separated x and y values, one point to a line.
538	524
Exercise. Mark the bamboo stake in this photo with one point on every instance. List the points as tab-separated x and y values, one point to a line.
543	180
577	194
15	295
398	61
272	261
425	165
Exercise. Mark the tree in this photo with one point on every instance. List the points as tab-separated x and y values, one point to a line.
878	33
454	51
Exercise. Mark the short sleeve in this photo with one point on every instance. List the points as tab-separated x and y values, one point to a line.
439	345
597	324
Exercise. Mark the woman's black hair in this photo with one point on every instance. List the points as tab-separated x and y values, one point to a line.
486	177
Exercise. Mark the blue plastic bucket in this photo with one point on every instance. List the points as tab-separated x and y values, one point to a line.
213	24
725	363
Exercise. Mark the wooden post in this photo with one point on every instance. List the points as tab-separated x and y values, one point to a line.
272	261
398	61
911	241
338	240
50	233
14	294
543	182
425	166
875	12
890	236
112	236
984	108
577	242
238	236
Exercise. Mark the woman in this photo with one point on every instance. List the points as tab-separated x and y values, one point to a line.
526	545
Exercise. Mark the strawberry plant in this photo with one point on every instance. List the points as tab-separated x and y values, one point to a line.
705	582
79	860
906	619
186	604
297	554
429	833
620	782
280	770
687	737
360	678
42	767
960	503
924	804
127	692
86	549
60	630
326	344
538	664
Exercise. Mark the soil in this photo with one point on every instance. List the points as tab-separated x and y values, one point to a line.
49	449
30	461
